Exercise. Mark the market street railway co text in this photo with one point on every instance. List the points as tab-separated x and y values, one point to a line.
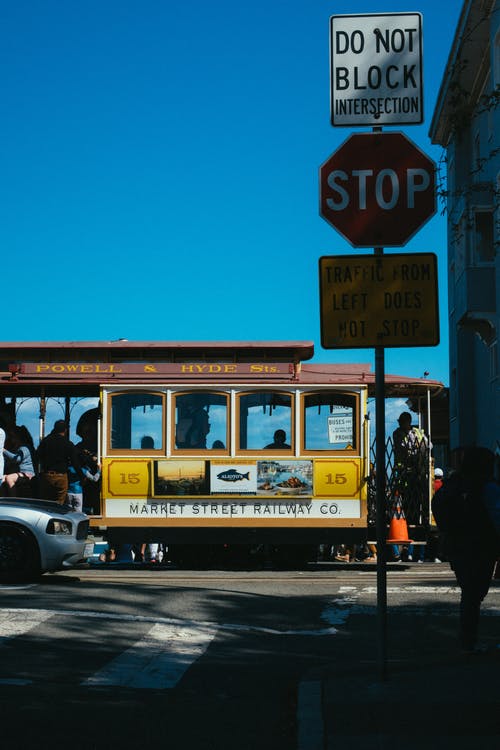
231	509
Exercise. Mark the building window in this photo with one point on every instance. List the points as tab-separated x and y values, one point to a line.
484	250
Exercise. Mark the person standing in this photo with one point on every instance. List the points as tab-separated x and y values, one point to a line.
410	487
2	443
467	513
74	498
54	455
18	465
410	461
90	489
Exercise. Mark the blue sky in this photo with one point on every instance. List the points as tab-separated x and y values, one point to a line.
160	170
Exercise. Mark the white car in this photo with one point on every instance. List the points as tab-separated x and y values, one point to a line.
37	536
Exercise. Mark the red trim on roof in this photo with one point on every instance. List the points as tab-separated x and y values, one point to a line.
303	349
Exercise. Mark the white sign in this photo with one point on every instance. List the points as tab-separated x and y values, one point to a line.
258	511
340	429
376	69
232	478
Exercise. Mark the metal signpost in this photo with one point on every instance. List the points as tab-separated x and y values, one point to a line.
377	190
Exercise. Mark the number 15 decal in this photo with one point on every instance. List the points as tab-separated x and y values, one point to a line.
337	478
127	478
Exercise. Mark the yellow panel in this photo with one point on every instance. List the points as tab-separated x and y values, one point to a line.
127	478
379	300
337	478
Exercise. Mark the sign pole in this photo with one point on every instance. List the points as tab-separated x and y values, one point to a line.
380	519
376	174
381	506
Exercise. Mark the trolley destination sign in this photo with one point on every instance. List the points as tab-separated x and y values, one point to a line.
379	300
110	371
376	69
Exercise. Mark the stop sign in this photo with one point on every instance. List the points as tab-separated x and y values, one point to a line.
377	189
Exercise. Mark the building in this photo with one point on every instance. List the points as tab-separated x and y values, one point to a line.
466	123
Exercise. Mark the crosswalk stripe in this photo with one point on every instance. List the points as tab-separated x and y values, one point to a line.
16	622
347	604
173	621
440	590
156	661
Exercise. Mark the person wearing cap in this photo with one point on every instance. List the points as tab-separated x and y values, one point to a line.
438	479
54	455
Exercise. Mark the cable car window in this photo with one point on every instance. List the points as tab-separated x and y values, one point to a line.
265	421
137	421
329	422
201	420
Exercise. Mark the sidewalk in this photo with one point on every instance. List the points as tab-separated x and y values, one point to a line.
434	698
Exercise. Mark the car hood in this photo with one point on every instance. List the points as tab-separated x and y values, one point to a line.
46	506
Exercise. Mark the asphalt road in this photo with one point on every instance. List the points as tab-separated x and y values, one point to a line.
122	658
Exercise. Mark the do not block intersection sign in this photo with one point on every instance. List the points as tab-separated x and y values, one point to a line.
376	69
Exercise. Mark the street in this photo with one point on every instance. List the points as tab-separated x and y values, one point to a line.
109	657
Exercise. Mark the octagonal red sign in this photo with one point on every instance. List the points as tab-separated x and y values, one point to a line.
378	189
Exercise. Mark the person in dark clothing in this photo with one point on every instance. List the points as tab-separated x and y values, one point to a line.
279	441
467	513
54	455
88	461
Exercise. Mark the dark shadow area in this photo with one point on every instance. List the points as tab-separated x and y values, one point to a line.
243	687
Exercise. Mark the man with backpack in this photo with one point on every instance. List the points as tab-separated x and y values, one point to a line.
467	513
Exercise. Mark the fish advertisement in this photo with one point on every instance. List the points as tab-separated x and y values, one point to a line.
229	478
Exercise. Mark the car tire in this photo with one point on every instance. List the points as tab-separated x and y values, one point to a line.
19	557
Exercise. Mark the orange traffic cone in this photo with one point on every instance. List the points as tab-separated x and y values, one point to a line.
398	528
